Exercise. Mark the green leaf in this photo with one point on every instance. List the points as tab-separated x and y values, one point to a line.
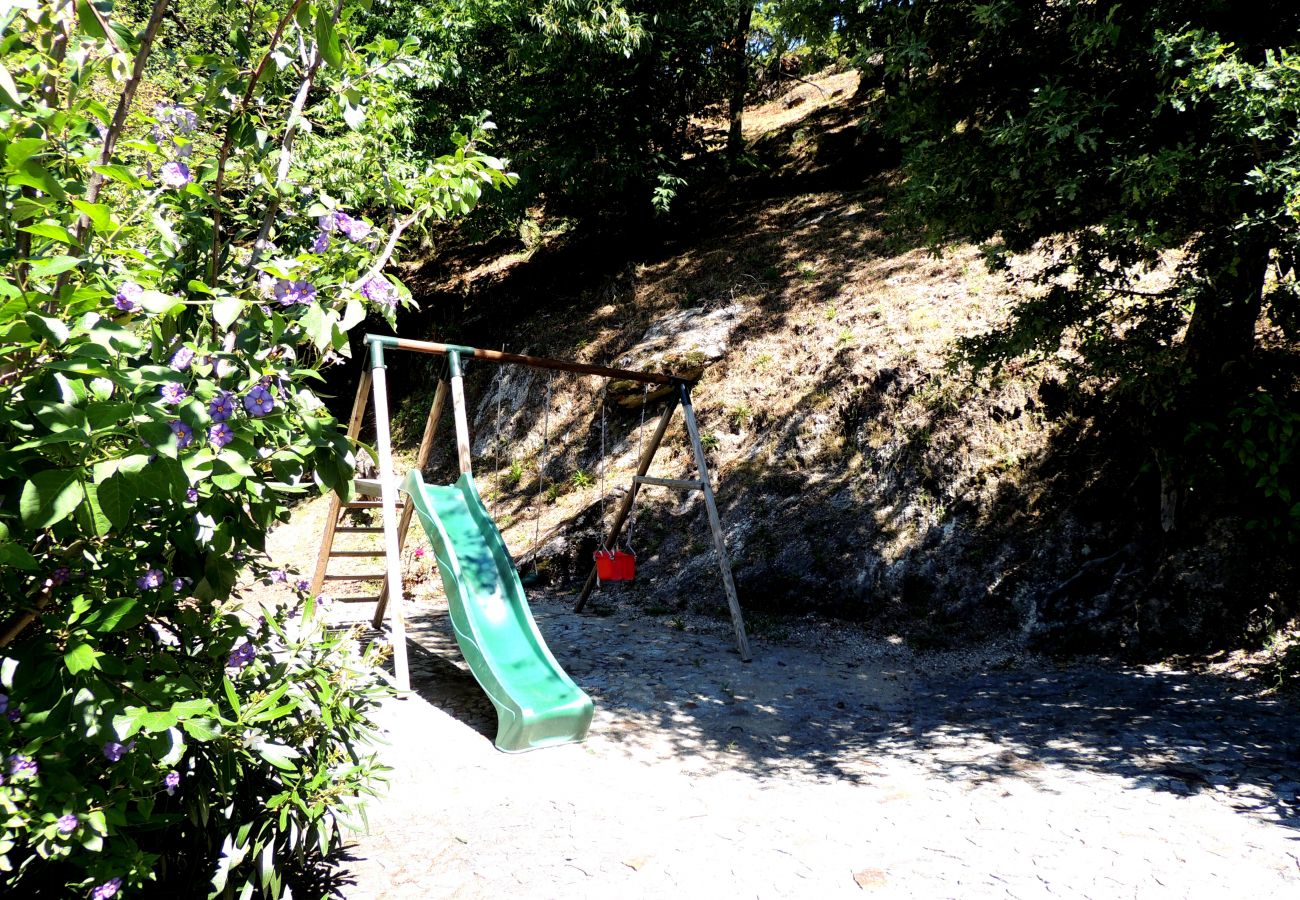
50	497
352	315
7	85
117	494
91	22
160	720
99	522
51	231
119	173
14	556
186	709
54	265
23	149
278	755
227	310
50	329
201	729
81	657
161	304
233	698
99	214
114	616
327	40
128	723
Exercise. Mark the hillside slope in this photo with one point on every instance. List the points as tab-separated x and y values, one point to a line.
859	474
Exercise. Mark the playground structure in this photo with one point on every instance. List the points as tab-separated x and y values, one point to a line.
537	703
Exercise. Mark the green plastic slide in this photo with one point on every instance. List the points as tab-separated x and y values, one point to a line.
537	703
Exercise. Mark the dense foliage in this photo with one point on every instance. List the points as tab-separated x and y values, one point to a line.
1148	153
176	268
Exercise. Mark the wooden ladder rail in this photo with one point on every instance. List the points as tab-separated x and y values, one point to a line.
332	517
336	505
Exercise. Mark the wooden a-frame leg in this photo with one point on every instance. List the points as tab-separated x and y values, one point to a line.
643	466
715	524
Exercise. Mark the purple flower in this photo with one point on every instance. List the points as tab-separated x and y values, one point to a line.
14	714
114	750
22	766
378	290
278	576
192	495
178	584
220	434
258	402
222	407
68	823
241	656
172	393
107	890
150	580
58	576
4	702
184	434
290	293
182	358
172	782
302	584
175	174
173	117
322	242
353	229
128	296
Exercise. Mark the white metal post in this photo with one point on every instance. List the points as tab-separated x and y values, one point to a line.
388	497
458	408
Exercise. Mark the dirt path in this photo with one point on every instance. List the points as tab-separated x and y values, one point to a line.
833	766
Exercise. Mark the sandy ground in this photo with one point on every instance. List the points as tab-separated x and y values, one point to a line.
832	765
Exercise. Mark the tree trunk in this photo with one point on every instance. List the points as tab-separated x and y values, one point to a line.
739	81
1221	334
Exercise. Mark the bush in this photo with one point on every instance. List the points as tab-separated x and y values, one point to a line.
172	283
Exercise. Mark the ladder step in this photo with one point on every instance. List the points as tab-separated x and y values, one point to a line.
369	487
364	504
353	530
357	553
369	577
356	599
680	484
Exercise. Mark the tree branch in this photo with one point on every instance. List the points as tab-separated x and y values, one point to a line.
387	253
230	136
123	107
286	144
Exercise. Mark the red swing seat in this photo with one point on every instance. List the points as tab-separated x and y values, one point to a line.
615	565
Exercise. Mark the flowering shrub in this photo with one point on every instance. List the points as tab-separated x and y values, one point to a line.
169	289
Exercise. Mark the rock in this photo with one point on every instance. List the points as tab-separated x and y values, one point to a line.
870	878
682	343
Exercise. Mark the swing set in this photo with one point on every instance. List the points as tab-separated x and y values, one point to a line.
537	703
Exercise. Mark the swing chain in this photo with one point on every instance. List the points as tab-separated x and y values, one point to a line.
541	469
640	436
501	389
603	401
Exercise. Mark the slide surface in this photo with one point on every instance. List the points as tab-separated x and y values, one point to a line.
537	703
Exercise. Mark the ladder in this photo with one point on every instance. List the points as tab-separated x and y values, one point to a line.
366	498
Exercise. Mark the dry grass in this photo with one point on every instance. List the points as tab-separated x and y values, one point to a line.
839	367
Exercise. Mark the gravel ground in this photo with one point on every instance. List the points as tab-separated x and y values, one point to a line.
832	765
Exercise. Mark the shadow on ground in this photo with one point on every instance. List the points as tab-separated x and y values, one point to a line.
835	704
